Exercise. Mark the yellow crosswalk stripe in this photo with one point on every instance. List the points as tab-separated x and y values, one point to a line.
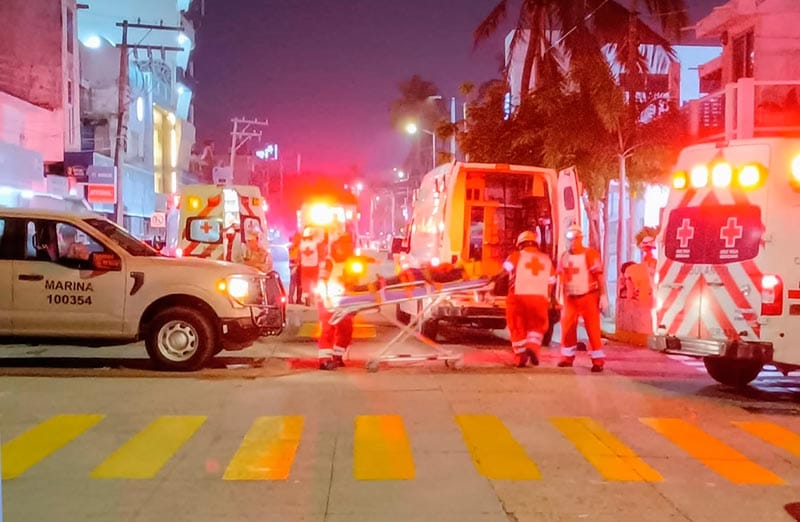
774	434
712	452
36	444
268	450
382	450
143	456
494	451
612	458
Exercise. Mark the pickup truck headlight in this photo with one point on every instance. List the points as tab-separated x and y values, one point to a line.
239	288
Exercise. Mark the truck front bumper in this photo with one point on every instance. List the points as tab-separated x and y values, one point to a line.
733	349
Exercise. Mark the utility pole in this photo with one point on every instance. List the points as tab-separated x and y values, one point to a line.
122	100
241	135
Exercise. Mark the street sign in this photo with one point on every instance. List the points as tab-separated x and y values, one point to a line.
101	175
101	193
158	220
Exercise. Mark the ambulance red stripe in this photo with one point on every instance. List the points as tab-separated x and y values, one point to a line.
212	204
710	302
739	299
674	292
794	294
692	298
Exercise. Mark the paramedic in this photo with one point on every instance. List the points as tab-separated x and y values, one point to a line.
295	290
581	272
531	277
334	340
311	255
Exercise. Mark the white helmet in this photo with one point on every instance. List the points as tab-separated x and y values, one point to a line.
574	231
529	236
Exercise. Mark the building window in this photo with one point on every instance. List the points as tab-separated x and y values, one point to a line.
70	30
743	56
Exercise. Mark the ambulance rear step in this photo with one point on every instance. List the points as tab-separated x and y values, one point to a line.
710	348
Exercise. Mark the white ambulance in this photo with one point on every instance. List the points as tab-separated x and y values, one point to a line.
215	222
728	279
470	214
80	278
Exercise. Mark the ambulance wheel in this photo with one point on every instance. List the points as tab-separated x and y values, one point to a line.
430	329
403	317
180	339
736	373
455	364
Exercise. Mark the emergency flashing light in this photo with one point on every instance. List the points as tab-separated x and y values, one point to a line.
194	203
749	176
699	176
178	252
679	180
721	175
321	214
771	295
356	267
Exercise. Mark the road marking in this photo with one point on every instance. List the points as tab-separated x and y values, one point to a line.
494	451
773	434
382	450
612	458
360	331
143	456
44	439
712	452
268	450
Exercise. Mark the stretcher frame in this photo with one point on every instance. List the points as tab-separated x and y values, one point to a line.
404	292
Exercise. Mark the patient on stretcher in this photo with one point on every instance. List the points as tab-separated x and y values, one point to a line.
431	275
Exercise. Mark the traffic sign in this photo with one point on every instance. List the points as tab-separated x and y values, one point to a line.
101	193
102	175
158	220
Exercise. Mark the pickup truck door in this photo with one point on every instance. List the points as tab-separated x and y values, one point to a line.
568	205
60	293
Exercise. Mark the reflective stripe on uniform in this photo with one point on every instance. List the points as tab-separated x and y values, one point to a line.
597	354
569	351
518	346
339	351
535	337
325	353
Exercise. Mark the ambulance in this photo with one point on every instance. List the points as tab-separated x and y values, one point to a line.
215	221
469	215
330	216
728	277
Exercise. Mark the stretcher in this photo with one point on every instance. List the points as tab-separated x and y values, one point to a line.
418	290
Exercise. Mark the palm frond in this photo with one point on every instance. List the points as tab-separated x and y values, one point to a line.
490	24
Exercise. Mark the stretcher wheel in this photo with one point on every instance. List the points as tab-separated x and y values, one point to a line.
372	366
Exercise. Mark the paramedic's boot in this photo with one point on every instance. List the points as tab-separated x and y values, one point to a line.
338	361
566	362
597	366
327	364
521	359
534	357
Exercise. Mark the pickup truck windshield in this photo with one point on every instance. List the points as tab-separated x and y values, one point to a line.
122	238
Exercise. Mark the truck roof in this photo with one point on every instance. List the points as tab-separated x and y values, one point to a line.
46	214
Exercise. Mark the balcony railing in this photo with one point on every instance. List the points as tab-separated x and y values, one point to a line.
747	109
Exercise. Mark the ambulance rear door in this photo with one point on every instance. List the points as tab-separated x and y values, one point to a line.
568	206
202	213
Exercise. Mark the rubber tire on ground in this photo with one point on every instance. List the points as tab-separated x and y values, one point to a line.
430	329
737	373
403	317
205	330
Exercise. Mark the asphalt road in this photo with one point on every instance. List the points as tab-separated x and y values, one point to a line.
94	434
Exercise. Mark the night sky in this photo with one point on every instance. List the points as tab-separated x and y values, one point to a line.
324	72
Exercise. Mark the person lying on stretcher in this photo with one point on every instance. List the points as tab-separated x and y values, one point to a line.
444	273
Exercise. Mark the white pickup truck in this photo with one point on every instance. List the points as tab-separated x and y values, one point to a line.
82	279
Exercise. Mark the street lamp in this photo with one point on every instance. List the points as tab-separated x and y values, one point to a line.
412	128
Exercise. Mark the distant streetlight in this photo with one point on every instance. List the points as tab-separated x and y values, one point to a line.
359	186
412	128
401	175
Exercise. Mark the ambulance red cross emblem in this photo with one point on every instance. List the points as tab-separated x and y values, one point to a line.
731	232
534	266
685	233
205	227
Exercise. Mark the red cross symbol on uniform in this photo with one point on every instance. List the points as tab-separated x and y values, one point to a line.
570	270
206	227
534	265
731	232
308	251
685	233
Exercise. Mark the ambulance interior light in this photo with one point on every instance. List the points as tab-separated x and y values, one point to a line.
699	176
795	174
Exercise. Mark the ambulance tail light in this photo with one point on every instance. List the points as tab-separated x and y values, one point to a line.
795	174
679	180
771	295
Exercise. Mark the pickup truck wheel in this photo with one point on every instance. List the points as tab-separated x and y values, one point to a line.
180	339
732	372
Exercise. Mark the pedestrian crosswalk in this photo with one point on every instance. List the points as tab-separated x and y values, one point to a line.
387	448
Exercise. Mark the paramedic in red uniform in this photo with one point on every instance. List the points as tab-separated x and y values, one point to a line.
581	272
311	255
531	276
334	340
